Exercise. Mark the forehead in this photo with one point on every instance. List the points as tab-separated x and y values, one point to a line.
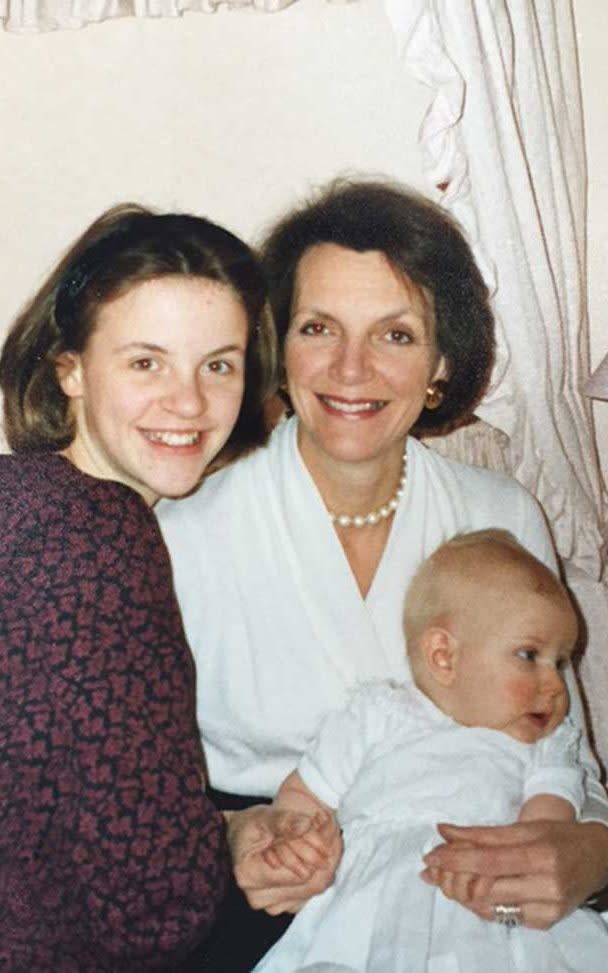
338	276
527	611
170	310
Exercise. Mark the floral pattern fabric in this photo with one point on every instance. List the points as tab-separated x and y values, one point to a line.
111	855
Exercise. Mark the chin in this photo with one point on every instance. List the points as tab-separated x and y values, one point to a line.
175	487
528	734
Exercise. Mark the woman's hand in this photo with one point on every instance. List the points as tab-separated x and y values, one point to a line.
313	854
547	868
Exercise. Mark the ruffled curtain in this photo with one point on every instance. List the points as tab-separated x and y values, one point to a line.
40	15
503	141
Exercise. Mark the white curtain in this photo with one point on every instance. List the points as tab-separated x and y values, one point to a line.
41	15
503	141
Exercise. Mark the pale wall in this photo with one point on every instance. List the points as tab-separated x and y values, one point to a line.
232	115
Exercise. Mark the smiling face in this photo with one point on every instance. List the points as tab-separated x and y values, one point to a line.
360	353
158	387
512	646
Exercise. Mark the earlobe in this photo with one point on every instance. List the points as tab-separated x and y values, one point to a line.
440	650
68	368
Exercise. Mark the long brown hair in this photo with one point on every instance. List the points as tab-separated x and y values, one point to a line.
126	246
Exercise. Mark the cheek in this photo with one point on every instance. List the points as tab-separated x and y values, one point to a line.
226	402
562	703
410	378
294	364
519	690
121	399
303	363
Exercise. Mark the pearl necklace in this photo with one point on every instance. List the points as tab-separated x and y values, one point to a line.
375	516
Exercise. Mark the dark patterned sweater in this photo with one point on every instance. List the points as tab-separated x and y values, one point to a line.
111	856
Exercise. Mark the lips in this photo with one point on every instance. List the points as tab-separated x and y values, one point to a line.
172	438
354	407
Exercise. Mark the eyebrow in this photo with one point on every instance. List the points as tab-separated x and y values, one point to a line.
140	346
404	312
390	316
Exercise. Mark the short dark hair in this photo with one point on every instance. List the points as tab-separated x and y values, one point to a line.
420	240
126	246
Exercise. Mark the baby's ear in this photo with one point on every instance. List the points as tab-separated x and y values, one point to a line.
440	650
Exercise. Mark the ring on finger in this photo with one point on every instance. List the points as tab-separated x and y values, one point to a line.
508	915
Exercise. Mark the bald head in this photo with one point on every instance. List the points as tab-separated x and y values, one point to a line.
468	578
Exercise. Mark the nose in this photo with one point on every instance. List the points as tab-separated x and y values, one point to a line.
185	397
351	364
552	681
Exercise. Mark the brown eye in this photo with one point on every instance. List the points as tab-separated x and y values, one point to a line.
396	336
144	365
220	367
314	328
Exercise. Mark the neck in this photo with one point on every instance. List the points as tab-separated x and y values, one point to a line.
354	487
85	460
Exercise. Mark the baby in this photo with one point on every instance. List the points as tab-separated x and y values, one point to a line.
481	738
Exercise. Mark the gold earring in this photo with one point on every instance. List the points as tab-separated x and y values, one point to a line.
434	397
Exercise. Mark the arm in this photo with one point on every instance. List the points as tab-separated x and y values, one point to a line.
531	530
469	888
549	868
302	854
547	807
312	849
160	857
547	862
329	765
135	851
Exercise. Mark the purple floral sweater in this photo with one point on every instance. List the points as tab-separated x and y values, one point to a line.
111	856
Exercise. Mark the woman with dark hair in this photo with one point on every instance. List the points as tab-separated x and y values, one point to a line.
122	379
290	566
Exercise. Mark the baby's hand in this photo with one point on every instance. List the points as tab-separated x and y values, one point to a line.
304	855
464	887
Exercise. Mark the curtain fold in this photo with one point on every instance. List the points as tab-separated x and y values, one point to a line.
33	16
503	138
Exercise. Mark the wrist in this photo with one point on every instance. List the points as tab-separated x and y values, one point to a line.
598	832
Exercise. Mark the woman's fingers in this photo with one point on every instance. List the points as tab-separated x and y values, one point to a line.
282	891
282	858
465	887
297	855
257	827
513	850
481	895
540	907
548	868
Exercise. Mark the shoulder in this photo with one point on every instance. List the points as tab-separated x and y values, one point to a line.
43	493
389	700
187	513
481	498
218	495
469	480
565	740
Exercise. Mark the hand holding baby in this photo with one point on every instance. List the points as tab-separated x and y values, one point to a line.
283	854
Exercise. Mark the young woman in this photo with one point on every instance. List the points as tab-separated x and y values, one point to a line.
147	352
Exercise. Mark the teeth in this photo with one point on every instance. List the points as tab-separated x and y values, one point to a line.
353	407
174	438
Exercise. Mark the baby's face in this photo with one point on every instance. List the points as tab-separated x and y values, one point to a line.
510	666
